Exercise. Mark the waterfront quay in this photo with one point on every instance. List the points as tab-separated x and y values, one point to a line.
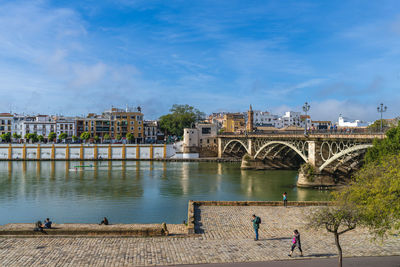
224	234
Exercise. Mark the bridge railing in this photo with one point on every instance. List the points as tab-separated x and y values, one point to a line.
347	131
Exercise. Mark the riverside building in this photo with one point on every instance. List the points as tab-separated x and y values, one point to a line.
6	123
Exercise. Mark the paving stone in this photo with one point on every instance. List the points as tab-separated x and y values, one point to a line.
227	236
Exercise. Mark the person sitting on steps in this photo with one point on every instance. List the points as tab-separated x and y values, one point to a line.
47	224
104	221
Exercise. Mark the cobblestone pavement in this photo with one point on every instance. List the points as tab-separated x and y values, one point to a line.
227	236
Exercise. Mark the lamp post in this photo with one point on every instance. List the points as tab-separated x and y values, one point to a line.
306	108
382	109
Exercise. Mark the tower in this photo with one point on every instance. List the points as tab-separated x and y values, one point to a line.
250	118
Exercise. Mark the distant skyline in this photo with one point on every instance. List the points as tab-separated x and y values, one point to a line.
75	57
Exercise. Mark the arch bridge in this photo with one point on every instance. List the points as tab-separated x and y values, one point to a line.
335	154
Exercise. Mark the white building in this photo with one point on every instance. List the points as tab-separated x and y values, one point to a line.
204	135
293	118
65	125
40	124
289	119
345	122
265	118
152	132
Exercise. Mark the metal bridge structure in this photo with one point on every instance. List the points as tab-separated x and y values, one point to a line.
331	153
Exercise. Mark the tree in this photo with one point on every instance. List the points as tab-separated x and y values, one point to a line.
375	192
85	136
106	137
52	136
384	147
118	137
96	138
33	137
16	136
336	220
63	136
75	138
376	126
130	137
180	117
40	138
6	137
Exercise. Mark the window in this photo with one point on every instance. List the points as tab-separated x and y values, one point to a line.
132	122
206	130
132	128
124	117
132	117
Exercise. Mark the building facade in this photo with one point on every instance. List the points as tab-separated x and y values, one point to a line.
152	133
6	120
345	122
233	123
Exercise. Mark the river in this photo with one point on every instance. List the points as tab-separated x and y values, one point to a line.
132	191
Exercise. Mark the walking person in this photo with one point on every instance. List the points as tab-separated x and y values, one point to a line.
284	199
256	225
296	242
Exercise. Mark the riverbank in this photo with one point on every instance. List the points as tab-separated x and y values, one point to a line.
225	235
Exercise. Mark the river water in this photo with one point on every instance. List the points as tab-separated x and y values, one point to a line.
132	191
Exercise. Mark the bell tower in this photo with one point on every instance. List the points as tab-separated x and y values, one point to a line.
250	118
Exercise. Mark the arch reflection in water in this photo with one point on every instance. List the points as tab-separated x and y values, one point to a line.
131	191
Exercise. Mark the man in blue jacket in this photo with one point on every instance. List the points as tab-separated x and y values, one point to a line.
256	225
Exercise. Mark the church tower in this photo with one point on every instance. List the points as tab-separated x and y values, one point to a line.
250	118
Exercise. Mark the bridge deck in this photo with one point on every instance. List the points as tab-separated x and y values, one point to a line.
302	136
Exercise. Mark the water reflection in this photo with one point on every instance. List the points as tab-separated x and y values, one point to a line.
131	191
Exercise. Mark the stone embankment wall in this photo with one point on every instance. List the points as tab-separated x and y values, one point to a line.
84	151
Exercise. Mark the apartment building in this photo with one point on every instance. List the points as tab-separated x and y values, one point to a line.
129	120
233	122
6	123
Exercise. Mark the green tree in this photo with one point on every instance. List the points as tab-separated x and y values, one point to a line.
6	137
33	137
96	138
180	117
40	138
384	147
106	137
16	136
52	136
118	137
85	136
63	136
336	220
376	126
75	138
375	192
130	137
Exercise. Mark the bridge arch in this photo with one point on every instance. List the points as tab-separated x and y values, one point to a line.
238	141
342	153
282	143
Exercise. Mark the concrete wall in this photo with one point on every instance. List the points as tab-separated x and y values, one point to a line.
84	151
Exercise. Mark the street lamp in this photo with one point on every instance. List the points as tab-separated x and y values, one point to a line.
306	108
381	109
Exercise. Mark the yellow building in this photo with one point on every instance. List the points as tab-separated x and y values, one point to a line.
124	121
113	122
5	123
233	123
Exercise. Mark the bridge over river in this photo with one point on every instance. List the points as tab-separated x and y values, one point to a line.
331	157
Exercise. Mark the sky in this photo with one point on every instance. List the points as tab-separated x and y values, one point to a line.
74	57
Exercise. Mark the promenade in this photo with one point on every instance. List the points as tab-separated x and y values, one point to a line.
226	235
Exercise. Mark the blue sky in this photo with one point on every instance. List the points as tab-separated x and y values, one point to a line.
74	57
